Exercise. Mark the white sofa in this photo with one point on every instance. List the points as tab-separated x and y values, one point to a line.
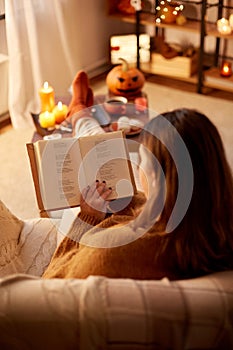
103	313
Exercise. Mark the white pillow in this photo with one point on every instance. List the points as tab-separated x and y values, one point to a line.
26	246
38	241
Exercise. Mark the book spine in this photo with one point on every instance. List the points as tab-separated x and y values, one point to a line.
35	176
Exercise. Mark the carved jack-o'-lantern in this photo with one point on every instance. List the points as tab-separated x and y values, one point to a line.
125	81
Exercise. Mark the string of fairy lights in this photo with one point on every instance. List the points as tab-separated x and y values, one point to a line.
167	11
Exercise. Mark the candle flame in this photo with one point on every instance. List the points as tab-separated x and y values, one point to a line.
224	20
59	105
46	85
226	69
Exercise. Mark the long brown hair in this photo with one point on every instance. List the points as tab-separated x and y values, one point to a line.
203	241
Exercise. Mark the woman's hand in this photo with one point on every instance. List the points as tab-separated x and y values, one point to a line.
94	200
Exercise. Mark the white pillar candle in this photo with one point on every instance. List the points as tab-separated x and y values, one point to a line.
231	21
223	26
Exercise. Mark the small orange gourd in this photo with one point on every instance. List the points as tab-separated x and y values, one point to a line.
126	81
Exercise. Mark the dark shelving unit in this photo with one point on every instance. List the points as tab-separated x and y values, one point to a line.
205	77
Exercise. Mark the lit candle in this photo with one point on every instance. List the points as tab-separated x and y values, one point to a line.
47	119
226	70
231	21
46	97
223	26
140	104
60	111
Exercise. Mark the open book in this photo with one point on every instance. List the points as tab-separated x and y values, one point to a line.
62	168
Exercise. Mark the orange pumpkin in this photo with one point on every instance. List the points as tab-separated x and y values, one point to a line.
125	6
125	81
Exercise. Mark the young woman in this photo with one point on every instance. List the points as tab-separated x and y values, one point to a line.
181	227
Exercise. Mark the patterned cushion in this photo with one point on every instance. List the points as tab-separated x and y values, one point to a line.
10	229
26	246
38	241
33	248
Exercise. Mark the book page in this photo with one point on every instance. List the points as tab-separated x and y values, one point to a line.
134	158
58	166
105	157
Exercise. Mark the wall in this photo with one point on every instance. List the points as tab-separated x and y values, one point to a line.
97	28
3	44
3	66
89	29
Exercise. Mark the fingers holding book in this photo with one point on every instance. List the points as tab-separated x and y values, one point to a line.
94	199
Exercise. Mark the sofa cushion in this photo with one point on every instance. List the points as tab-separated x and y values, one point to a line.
38	241
10	229
27	247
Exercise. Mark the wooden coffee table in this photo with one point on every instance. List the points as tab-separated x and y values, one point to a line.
131	111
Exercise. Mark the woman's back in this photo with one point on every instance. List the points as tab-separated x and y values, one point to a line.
167	238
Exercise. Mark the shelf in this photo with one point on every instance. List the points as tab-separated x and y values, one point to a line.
149	19
147	68
212	78
190	25
211	30
123	18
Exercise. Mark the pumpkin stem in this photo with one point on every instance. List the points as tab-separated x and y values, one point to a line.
125	65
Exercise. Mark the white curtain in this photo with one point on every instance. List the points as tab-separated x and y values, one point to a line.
42	39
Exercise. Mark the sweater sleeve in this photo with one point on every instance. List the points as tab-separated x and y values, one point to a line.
82	224
67	254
